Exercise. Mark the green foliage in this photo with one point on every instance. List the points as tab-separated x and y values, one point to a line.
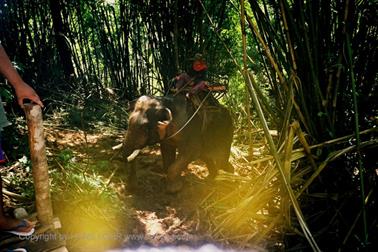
83	200
65	156
6	93
24	184
80	180
304	46
88	107
96	112
127	46
21	179
15	139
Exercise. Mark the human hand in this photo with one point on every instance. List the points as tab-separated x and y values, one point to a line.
24	91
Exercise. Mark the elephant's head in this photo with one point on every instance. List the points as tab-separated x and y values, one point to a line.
148	122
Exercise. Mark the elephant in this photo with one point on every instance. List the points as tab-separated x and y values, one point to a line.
184	132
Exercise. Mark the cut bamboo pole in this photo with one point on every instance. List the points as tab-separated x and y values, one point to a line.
39	163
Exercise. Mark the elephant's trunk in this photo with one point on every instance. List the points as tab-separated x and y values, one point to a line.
129	153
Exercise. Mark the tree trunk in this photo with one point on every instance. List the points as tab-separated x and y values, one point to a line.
60	31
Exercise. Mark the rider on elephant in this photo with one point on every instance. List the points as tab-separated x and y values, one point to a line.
195	83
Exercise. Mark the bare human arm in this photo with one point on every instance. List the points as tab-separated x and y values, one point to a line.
23	90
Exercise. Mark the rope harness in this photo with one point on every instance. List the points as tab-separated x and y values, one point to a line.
190	118
195	99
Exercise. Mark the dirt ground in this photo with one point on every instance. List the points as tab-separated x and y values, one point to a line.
146	216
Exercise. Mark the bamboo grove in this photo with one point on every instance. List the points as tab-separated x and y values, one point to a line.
134	46
309	68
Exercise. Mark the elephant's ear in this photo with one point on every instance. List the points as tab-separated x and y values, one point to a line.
130	106
138	103
166	118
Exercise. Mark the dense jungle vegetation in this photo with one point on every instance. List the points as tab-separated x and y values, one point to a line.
306	69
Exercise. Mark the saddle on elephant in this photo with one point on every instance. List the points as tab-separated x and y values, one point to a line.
197	89
200	96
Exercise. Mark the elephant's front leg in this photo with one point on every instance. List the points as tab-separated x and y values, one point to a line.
168	153
131	176
174	179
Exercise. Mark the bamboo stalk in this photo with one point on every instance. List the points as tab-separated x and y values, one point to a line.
306	146
39	163
273	150
334	155
361	168
286	29
287	171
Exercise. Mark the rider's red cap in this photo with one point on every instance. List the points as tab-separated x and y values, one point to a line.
199	65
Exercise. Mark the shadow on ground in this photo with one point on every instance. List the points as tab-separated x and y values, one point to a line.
95	221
